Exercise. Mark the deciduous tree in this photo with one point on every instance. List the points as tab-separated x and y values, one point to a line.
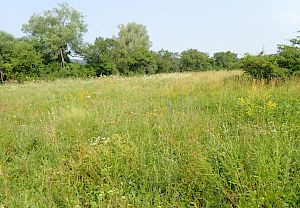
133	36
225	60
101	55
167	61
194	60
57	32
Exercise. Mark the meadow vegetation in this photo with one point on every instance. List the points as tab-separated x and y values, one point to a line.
206	139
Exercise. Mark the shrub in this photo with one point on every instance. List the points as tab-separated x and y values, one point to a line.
194	60
263	67
144	62
54	70
22	62
224	60
167	61
138	61
101	56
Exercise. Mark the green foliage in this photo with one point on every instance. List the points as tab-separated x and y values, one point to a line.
132	55
128	54
102	56
194	60
133	36
73	70
138	61
225	60
167	61
283	64
262	67
57	33
6	49
142	61
24	61
289	58
18	59
6	45
77	71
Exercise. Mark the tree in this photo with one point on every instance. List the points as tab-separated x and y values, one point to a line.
133	36
225	60
132	51
289	58
6	49
289	55
194	60
6	46
102	56
167	61
142	61
57	33
139	61
24	61
18	58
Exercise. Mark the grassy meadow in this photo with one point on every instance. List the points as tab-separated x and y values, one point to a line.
209	139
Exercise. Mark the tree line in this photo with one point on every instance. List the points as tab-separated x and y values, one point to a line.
55	37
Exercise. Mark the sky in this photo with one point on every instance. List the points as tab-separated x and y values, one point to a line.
241	26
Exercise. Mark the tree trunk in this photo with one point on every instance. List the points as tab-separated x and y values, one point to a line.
63	62
62	59
1	75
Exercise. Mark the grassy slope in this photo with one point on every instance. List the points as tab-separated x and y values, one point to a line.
166	140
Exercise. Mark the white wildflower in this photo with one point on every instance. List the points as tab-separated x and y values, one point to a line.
99	140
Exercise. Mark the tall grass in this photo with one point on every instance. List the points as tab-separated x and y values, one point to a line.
178	140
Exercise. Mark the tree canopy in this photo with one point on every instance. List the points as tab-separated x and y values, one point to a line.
133	36
167	61
224	59
102	56
194	60
57	33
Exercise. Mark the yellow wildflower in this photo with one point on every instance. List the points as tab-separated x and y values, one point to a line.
270	105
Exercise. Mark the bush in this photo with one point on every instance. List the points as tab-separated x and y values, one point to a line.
21	62
102	56
167	62
138	61
263	67
78	70
54	70
144	62
194	60
224	60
